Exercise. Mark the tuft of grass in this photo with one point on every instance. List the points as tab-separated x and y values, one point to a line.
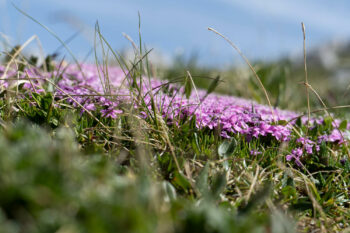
64	169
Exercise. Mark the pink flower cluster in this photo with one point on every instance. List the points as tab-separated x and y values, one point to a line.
105	91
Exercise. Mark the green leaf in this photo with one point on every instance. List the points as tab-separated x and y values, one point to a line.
298	122
46	101
289	192
343	125
256	199
37	98
328	122
202	180
227	148
197	141
213	85
169	190
218	185
287	180
188	87
181	181
302	204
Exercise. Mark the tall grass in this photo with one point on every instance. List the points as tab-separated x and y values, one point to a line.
67	167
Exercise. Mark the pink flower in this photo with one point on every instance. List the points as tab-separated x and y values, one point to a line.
112	113
255	152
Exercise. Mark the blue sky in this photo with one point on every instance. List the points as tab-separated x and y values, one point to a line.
261	29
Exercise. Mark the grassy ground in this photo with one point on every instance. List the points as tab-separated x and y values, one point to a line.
67	171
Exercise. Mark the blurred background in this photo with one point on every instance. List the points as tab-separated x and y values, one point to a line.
267	32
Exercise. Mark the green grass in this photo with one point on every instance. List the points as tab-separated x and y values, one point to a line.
61	171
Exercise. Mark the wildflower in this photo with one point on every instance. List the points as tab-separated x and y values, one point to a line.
90	107
111	113
335	136
230	115
255	152
296	154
